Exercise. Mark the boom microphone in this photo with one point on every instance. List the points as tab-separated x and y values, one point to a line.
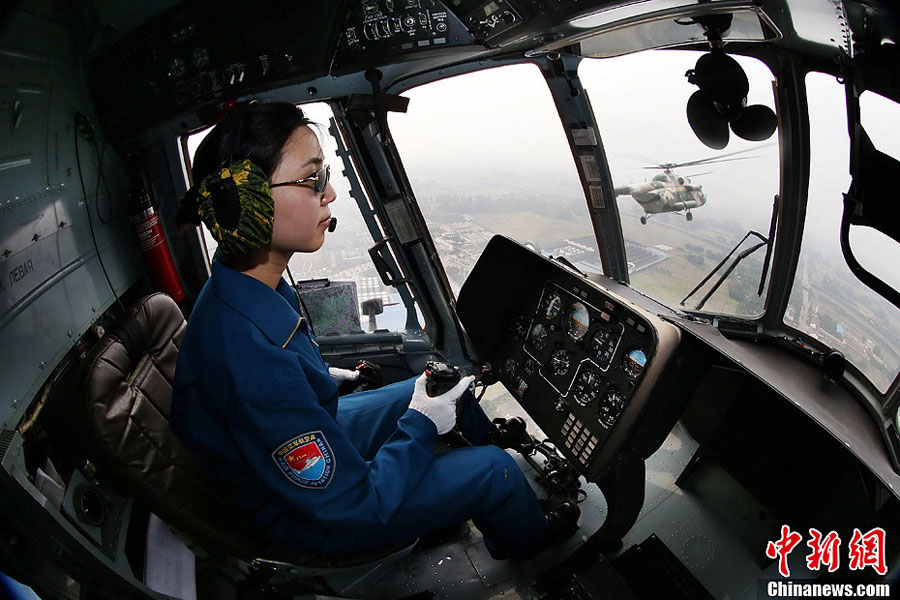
332	224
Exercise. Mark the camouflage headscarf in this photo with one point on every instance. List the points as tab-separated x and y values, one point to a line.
240	226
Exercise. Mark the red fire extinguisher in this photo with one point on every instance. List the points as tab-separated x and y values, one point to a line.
145	221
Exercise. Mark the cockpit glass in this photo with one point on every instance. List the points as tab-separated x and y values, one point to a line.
681	219
827	301
486	154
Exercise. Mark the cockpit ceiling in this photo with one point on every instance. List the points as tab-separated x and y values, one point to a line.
196	54
660	24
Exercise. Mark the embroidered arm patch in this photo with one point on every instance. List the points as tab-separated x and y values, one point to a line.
306	460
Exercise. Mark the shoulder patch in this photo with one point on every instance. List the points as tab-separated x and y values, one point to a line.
306	460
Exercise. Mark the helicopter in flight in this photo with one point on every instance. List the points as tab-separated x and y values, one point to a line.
701	442
669	191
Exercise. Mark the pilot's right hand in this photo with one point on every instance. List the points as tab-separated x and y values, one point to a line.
440	409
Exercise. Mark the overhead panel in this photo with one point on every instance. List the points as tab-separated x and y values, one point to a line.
382	30
199	53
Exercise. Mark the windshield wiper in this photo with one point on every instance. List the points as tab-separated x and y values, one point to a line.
766	241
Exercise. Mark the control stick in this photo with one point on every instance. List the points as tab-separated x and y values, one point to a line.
440	377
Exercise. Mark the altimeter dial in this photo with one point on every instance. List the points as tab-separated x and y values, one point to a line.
604	342
538	336
610	408
587	386
559	362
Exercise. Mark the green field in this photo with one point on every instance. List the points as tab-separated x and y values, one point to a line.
526	226
668	281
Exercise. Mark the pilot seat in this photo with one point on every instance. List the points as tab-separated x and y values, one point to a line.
128	395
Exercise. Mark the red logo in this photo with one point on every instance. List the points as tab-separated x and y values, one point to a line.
306	460
864	550
824	551
867	550
782	548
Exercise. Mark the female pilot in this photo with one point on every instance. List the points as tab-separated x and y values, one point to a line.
253	398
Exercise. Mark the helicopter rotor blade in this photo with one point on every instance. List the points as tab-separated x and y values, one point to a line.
727	157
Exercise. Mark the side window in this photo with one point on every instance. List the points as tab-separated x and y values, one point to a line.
827	301
876	252
344	256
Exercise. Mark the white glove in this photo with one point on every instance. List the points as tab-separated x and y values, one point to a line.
342	375
440	409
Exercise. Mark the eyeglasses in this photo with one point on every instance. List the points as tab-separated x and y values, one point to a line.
321	178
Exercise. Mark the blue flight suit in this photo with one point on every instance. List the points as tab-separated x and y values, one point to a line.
322	475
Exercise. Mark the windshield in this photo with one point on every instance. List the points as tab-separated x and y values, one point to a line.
680	220
486	154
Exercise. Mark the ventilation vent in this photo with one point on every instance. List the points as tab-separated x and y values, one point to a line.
6	438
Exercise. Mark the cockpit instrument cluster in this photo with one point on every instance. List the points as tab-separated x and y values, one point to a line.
581	360
587	351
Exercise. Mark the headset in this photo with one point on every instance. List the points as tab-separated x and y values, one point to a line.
242	218
225	198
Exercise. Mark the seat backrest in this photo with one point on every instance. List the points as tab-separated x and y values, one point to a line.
128	397
127	382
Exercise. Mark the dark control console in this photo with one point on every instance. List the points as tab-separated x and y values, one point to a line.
574	357
199	53
581	360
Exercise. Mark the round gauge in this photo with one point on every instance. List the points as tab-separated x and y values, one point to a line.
603	344
519	327
200	57
577	321
551	306
538	336
559	362
177	67
509	368
634	362
586	386
610	406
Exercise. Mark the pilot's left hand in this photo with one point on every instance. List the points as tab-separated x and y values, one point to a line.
342	375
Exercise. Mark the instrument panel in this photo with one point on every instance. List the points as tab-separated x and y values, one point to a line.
586	364
574	357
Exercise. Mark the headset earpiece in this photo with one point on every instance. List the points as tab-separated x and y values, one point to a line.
237	205
226	200
225	197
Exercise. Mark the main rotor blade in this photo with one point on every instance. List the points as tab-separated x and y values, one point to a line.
711	159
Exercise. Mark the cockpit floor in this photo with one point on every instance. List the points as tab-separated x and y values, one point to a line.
712	525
